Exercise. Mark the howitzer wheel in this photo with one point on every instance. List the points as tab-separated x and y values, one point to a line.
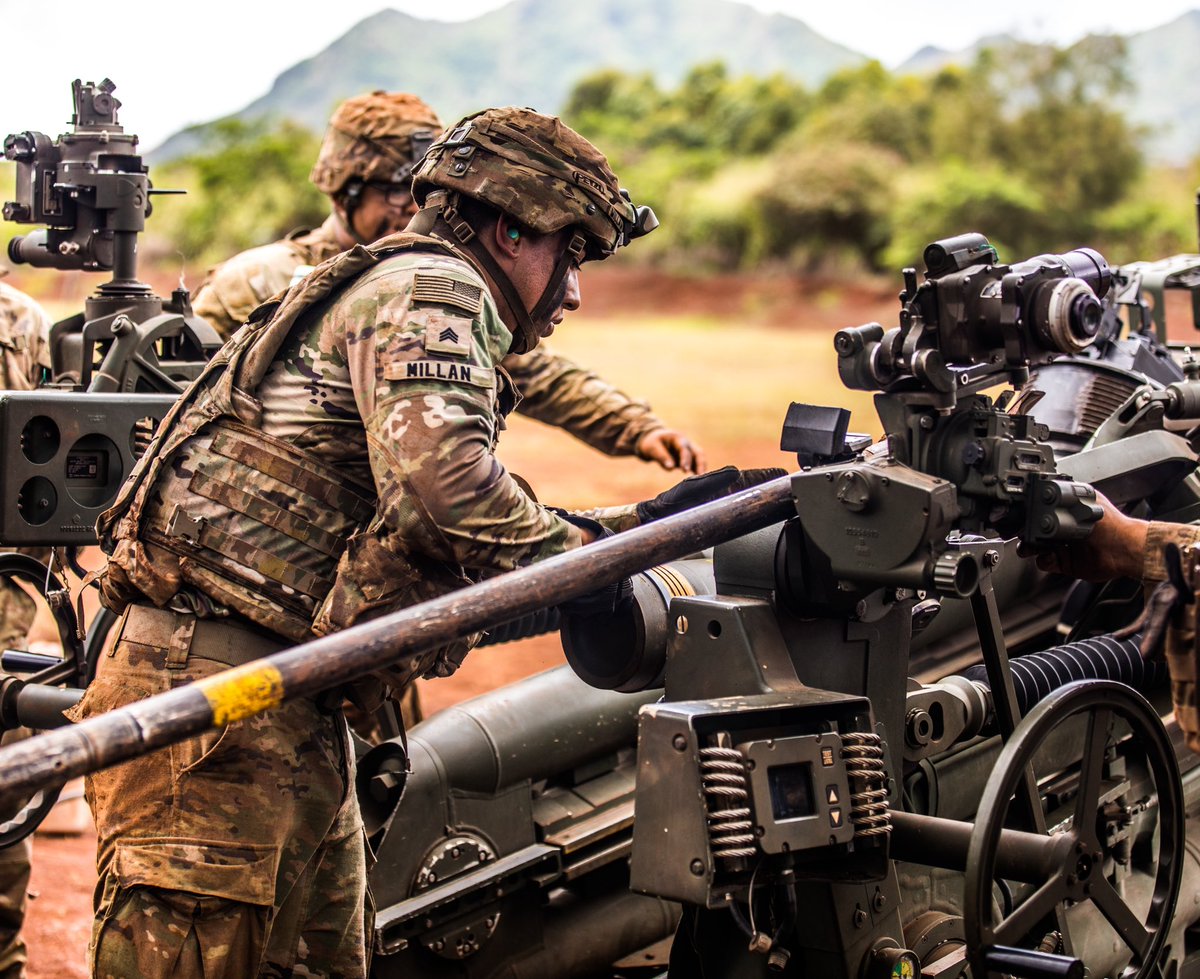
24	820
36	808
1078	852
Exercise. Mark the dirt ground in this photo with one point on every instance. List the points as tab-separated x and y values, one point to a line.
720	358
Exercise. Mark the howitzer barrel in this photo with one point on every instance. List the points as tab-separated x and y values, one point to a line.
307	669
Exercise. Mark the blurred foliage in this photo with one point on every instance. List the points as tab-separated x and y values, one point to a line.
1025	145
248	186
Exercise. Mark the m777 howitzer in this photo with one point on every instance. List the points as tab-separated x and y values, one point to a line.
810	808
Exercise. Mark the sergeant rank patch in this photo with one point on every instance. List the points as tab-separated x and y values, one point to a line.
446	334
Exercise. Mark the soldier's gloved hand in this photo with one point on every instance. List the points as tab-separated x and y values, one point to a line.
607	599
1115	548
695	490
671	450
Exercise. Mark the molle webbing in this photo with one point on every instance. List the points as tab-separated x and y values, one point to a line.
288	516
267	564
265	512
259	455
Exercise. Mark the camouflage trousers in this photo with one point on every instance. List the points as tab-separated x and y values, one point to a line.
17	611
238	853
14	891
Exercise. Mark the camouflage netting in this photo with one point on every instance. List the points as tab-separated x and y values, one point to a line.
370	138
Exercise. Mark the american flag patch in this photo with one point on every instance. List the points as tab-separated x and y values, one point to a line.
447	291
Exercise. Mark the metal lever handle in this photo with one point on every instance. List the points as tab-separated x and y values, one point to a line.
1028	964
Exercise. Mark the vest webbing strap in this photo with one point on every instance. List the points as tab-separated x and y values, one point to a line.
259	455
269	514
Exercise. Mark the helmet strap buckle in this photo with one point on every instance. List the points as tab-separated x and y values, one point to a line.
461	230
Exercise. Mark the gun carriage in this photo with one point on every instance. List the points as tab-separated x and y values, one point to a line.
768	757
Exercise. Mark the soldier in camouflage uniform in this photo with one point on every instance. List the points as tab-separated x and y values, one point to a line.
24	358
334	461
365	167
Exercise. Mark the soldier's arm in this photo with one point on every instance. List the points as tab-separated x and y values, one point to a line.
234	289
1119	547
559	392
1157	536
428	391
24	341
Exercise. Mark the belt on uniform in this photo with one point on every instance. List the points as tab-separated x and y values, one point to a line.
222	641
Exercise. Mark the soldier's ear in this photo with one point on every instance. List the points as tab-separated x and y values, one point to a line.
507	236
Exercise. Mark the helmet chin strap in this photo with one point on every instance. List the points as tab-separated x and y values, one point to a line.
344	212
442	216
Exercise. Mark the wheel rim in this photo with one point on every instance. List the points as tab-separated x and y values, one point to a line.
1102	702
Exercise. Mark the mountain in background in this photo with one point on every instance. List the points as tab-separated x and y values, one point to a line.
931	58
532	52
1163	68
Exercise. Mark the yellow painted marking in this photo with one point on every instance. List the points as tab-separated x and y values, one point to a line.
242	692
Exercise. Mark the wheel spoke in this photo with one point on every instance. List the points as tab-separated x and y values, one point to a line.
1126	924
1094	743
1041	902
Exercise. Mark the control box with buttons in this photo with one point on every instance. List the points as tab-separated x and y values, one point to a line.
66	454
741	787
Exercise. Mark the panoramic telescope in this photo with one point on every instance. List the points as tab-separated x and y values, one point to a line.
118	365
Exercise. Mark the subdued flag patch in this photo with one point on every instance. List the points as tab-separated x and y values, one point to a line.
447	291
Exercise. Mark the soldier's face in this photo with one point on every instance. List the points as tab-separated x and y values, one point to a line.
382	210
533	265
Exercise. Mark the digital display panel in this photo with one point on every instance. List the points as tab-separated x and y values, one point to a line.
791	789
88	466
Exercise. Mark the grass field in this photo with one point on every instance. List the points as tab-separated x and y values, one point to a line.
727	386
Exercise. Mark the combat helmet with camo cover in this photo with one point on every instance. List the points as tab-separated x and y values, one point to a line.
539	171
375	138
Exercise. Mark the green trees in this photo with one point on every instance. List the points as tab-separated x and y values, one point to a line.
248	186
1025	145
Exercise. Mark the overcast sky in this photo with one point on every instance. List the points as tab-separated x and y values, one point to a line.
181	63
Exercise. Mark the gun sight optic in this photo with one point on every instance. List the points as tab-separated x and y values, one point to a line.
974	322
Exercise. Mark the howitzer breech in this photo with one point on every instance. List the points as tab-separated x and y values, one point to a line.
304	670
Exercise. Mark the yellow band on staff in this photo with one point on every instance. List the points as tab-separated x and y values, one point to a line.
242	692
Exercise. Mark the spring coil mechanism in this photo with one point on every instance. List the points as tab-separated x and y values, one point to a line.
723	781
867	774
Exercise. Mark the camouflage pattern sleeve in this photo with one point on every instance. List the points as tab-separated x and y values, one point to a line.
615	518
1158	536
233	289
24	340
559	392
423	342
